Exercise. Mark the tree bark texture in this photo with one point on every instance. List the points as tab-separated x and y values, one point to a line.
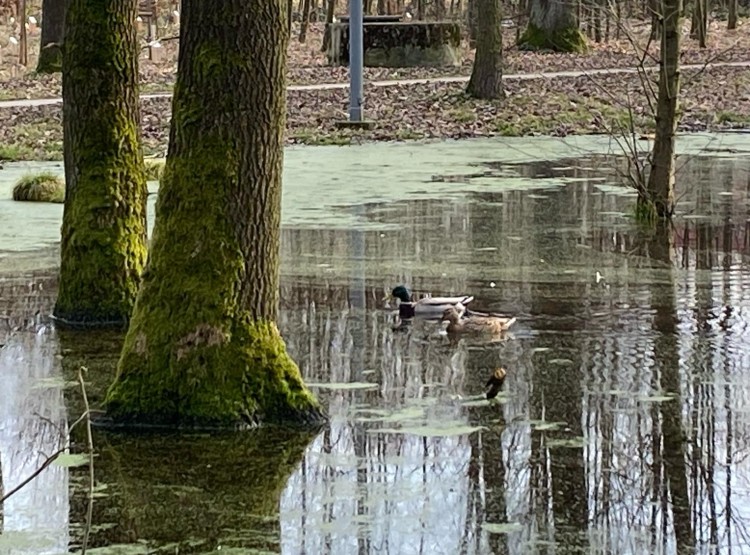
487	72
53	31
660	187
103	244
203	348
553	26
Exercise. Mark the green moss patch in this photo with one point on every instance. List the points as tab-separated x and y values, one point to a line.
154	168
568	39
41	187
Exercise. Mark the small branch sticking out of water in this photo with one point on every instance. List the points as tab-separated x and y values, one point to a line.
85	417
34	474
90	450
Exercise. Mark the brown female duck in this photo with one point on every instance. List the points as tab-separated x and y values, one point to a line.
475	323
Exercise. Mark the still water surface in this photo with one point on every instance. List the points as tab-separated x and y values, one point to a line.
624	425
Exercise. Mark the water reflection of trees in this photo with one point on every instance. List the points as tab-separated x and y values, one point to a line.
645	368
624	471
32	427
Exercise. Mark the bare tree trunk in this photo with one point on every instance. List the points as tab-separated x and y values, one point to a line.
657	17
329	21
660	187
487	73
439	10
596	9
53	29
23	45
203	347
305	21
732	16
699	24
103	244
472	18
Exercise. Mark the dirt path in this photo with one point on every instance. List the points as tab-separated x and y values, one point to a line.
21	103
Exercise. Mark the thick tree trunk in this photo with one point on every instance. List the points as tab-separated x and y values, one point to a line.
732	15
203	347
53	29
553	26
487	73
104	222
660	187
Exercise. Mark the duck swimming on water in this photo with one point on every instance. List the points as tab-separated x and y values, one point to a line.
475	323
495	383
428	307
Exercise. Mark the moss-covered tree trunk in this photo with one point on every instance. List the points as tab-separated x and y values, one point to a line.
104	222
53	30
660	187
203	348
553	26
487	73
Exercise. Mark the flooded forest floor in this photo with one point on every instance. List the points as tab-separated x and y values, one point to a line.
621	428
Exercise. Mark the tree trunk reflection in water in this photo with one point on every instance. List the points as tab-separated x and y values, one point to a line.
666	349
357	317
557	397
212	491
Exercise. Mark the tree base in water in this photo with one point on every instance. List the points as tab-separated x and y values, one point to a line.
209	378
569	39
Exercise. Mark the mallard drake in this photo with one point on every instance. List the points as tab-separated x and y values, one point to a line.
475	323
495	383
429	306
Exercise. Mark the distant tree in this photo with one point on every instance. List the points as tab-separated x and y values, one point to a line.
660	186
553	26
330	8
53	30
699	22
304	24
203	347
103	249
654	7
487	73
732	14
